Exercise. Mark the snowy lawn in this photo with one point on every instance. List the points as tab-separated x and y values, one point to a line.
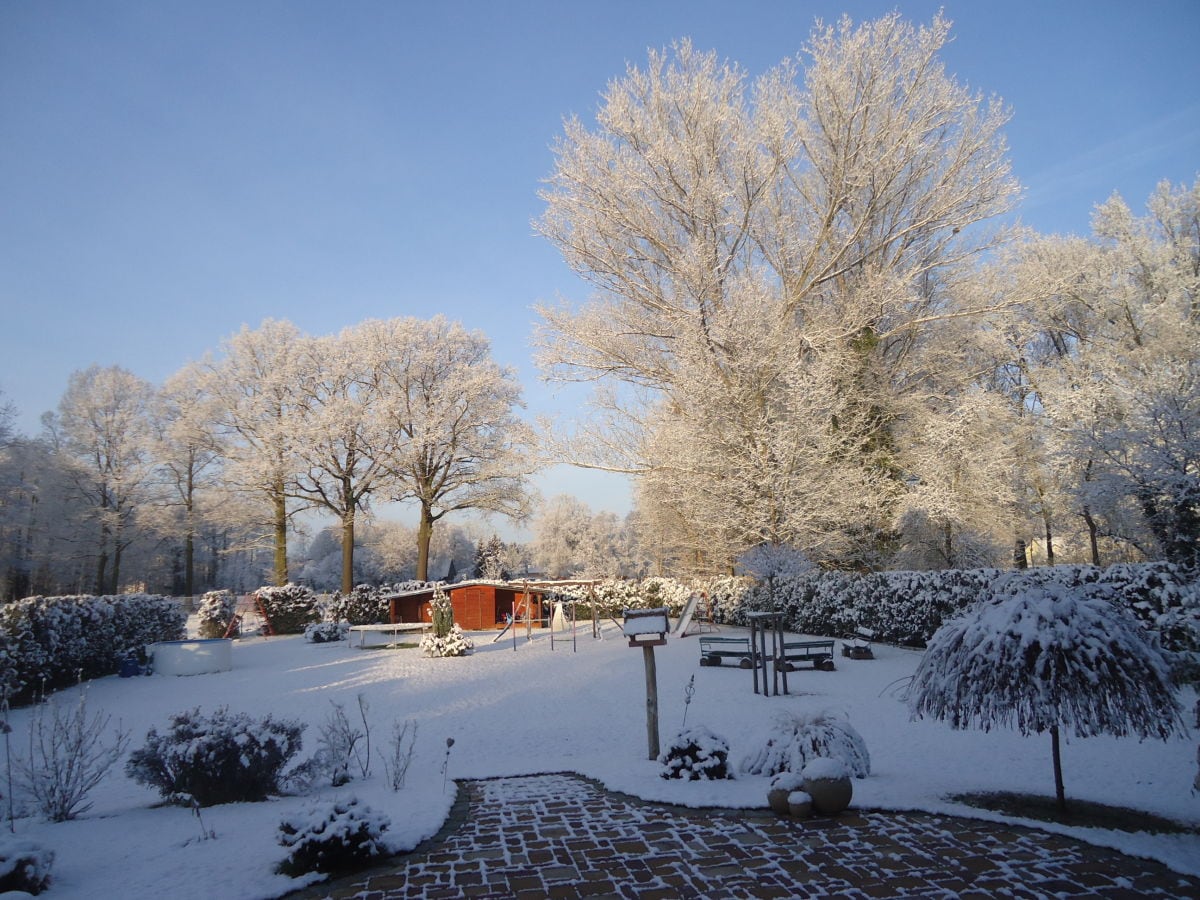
537	710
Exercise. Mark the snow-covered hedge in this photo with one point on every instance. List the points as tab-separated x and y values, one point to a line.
367	603
609	599
905	607
289	608
50	642
216	612
908	607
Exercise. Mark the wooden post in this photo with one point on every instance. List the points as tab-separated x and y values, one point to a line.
651	701
754	651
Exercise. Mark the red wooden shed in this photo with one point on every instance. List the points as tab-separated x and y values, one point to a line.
478	605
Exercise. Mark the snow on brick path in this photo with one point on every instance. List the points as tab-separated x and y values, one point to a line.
564	836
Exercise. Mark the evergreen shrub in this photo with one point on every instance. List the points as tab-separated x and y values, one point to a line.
696	754
365	605
217	611
333	837
289	608
24	867
47	643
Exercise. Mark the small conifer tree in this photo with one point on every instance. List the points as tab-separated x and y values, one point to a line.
442	611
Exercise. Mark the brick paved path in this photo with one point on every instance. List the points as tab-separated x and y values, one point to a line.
564	836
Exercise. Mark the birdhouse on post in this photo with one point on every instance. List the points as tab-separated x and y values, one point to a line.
647	628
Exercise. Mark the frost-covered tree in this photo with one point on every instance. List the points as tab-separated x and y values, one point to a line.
344	442
254	384
767	260
491	559
1118	380
187	457
560	533
459	443
572	541
1044	657
102	429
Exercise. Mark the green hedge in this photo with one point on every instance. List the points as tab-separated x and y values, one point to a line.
906	608
48	643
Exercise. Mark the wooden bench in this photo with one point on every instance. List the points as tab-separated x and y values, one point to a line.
715	650
818	654
393	628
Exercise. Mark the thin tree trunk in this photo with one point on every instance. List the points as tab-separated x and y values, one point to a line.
118	552
189	539
348	551
1049	542
102	560
1059	793
1093	535
280	523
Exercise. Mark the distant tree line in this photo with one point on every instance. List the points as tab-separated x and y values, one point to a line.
198	483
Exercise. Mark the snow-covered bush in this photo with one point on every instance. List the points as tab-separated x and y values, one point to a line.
222	758
69	755
289	608
365	605
1042	656
326	632
446	638
696	754
216	613
455	643
52	642
795	739
333	837
24	866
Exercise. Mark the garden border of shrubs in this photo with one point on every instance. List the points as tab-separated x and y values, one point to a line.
47	643
907	607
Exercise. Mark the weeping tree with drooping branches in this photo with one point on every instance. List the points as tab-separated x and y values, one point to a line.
1047	657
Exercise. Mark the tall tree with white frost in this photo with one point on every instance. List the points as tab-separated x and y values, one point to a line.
344	442
459	442
767	260
102	427
1122	388
255	386
1046	657
186	455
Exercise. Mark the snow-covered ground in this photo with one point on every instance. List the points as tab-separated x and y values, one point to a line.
534	709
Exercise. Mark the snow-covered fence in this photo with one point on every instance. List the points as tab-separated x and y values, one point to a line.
50	642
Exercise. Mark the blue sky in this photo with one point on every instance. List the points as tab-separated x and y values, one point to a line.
170	170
